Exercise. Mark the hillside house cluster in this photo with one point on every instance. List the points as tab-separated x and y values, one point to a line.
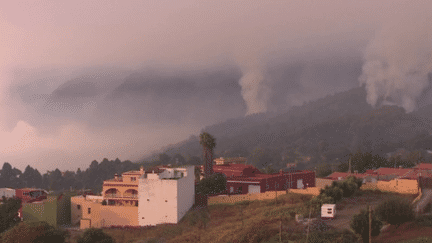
138	198
421	172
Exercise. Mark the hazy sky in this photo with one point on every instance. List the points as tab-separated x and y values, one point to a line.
84	80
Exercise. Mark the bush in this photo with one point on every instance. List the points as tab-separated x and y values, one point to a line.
334	192
35	232
93	235
360	225
9	213
395	211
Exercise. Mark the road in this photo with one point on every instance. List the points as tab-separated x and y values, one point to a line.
353	206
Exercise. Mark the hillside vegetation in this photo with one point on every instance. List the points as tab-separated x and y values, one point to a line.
322	131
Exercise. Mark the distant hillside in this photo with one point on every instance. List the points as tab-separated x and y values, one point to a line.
324	129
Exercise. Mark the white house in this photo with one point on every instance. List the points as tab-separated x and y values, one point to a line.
7	192
165	197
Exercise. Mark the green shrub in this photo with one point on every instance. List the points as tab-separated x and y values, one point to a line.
360	225
395	211
35	232
93	235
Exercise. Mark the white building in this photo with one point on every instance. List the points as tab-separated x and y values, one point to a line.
165	197
7	192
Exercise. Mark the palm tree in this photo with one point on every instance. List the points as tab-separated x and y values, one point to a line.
208	143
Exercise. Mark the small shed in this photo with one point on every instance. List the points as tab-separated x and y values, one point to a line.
328	211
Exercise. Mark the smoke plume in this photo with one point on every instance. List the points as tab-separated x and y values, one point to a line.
398	61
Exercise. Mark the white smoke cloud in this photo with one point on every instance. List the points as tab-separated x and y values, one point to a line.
255	92
399	59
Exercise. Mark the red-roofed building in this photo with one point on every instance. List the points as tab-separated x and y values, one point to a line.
244	179
423	166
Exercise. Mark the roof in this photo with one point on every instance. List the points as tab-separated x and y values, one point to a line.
423	166
236	170
393	171
414	174
32	189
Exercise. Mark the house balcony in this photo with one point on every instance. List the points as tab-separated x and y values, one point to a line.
121	197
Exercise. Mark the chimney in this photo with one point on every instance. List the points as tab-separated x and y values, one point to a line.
400	166
141	169
281	171
116	176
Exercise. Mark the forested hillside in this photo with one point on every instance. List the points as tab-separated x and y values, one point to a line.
322	131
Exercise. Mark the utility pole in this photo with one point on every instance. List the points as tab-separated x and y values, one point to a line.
307	234
370	224
280	231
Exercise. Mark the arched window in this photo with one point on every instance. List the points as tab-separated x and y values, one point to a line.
112	192
131	193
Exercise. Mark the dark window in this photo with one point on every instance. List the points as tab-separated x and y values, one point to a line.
89	210
166	200
78	207
148	200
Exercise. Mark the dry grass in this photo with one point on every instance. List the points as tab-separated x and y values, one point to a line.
246	221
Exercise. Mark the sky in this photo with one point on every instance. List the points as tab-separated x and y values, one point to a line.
85	80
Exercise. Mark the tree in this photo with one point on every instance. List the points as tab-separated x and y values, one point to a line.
323	170
395	211
9	213
35	232
360	225
214	184
93	235
260	158
208	143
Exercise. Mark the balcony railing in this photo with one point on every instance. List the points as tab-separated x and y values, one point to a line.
116	196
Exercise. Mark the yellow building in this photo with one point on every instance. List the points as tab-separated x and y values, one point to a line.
122	191
121	196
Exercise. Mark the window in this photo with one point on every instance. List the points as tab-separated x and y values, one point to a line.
231	189
166	200
78	207
148	200
133	178
89	210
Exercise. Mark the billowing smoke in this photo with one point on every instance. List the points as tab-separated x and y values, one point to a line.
255	91
398	61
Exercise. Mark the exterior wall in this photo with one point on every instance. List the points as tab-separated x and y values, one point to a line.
282	182
85	223
186	193
165	200
399	186
101	215
157	201
104	216
7	192
276	182
321	183
82	213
